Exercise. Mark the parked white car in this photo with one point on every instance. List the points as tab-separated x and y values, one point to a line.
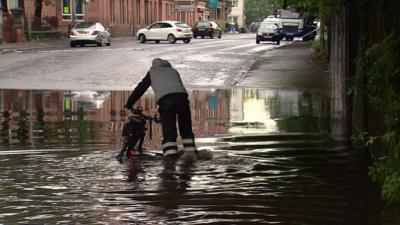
170	31
89	33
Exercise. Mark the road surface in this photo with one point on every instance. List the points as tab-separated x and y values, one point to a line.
202	62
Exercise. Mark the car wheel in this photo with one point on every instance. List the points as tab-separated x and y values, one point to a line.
109	42
212	35
142	38
202	36
186	40
171	39
220	35
100	43
278	42
157	42
257	41
195	36
72	44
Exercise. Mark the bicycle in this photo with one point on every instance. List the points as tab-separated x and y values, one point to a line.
134	132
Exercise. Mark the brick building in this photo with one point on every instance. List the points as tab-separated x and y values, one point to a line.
122	17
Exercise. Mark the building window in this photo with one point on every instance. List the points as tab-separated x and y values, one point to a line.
66	10
79	10
11	4
124	13
167	9
235	3
234	19
78	14
112	18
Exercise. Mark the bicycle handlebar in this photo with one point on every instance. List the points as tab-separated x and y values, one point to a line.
139	112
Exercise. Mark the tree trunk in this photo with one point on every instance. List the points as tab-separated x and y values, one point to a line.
340	67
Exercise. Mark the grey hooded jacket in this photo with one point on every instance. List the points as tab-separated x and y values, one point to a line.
162	78
165	79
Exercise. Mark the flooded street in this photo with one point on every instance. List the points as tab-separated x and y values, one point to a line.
264	159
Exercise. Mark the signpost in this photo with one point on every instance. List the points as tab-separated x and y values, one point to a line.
184	5
213	4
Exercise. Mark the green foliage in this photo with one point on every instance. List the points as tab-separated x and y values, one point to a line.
379	69
316	46
311	8
380	65
258	10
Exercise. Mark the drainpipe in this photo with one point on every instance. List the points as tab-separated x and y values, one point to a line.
1	23
29	20
86	5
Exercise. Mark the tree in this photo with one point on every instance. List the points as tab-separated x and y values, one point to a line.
258	10
365	77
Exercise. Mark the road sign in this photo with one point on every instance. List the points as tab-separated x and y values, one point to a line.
184	5
213	4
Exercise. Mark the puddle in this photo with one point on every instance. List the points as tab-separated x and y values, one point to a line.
32	118
270	163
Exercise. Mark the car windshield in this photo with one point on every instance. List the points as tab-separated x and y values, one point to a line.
85	25
182	25
268	26
203	24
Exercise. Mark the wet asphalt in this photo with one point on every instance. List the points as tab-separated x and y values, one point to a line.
260	115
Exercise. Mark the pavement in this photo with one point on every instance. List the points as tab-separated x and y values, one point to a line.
292	66
45	44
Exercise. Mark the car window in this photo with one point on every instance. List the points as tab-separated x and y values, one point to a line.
85	25
215	25
156	25
203	24
166	25
182	25
268	26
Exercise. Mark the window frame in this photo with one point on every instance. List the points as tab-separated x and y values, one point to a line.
65	15
72	15
79	16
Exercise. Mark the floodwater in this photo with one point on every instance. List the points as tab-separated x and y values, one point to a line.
264	159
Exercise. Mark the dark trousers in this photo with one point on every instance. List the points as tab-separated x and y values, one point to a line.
171	108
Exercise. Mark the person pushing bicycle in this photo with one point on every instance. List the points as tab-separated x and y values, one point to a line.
172	99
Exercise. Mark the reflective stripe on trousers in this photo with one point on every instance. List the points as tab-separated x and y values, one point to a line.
189	145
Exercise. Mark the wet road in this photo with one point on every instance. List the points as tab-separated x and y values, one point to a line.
264	159
265	154
216	62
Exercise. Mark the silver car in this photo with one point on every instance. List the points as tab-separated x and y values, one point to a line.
89	33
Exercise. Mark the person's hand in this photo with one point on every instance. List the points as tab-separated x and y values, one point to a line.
127	108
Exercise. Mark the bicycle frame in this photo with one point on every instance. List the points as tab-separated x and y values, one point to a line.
133	143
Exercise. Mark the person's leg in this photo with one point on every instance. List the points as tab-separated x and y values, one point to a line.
168	122
185	124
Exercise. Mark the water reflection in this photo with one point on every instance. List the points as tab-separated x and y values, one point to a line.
32	118
270	164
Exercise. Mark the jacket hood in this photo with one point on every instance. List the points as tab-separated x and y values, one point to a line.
157	62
